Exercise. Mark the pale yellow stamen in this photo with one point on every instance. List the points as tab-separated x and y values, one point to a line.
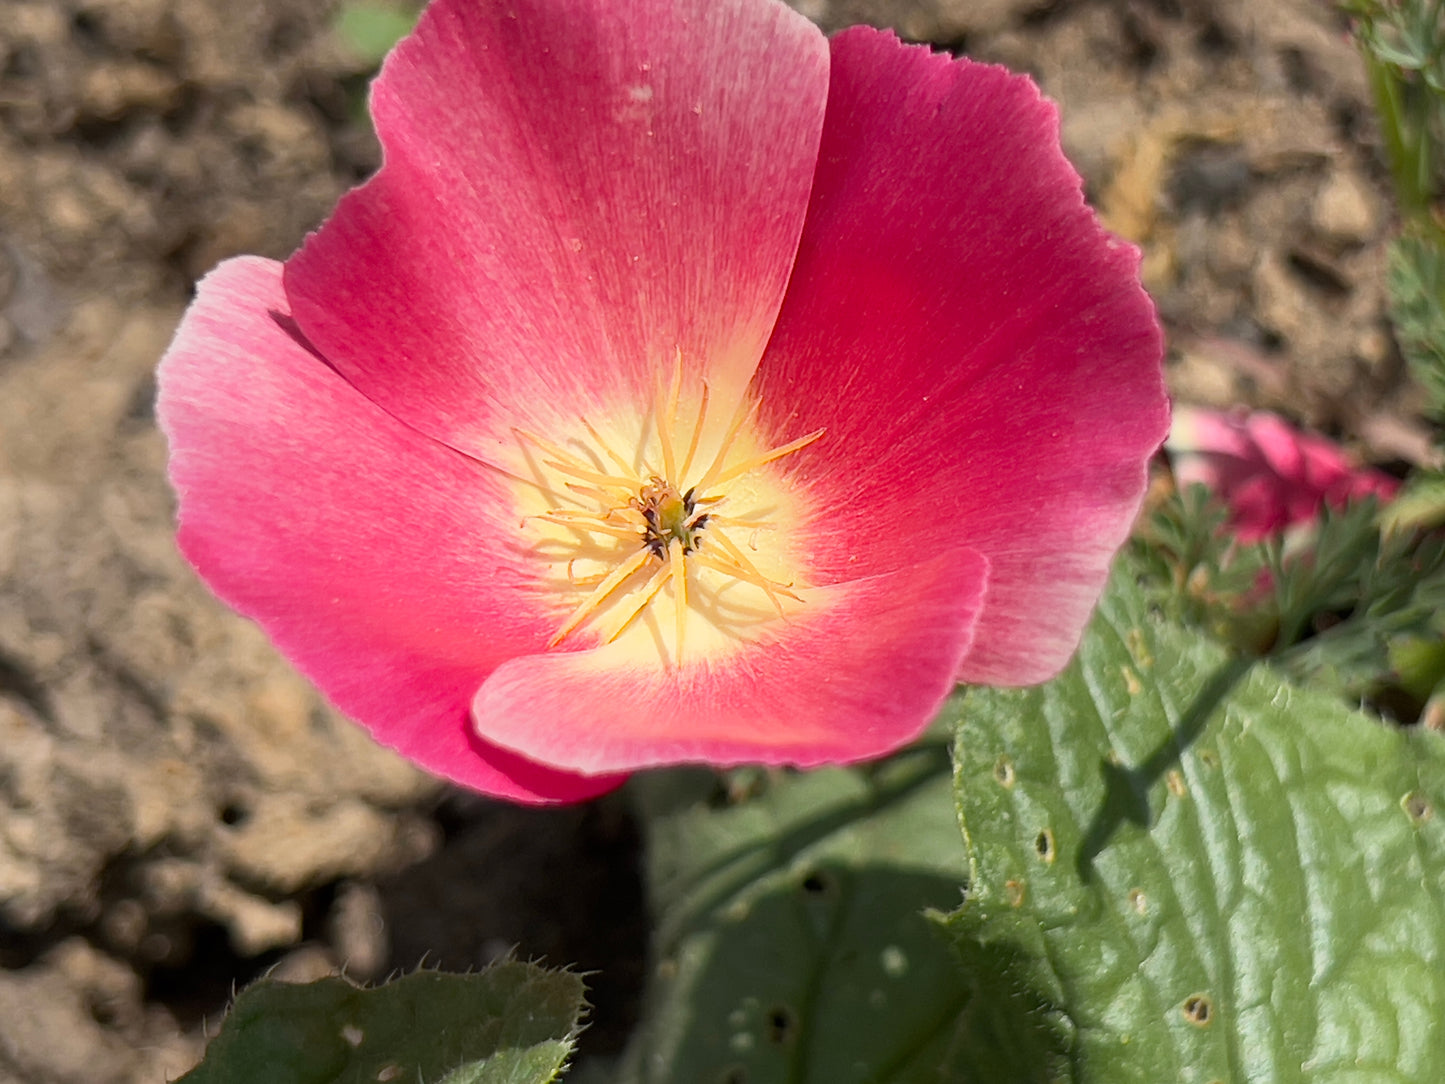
679	594
767	457
597	478
696	430
744	413
618	461
594	525
639	601
599	595
578	516
646	528
750	572
737	572
595	493
665	421
582	581
554	451
744	524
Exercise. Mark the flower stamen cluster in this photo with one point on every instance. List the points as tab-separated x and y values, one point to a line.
646	535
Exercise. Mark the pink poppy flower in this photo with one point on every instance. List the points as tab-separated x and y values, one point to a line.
1270	475
685	387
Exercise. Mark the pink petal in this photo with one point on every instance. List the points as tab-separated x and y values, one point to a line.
979	349
1270	475
366	551
572	191
856	675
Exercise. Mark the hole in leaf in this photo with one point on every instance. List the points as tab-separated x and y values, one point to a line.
782	1025
234	814
1044	844
1003	771
818	883
1198	1010
1417	807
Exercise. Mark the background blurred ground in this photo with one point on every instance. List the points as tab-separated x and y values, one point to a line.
177	809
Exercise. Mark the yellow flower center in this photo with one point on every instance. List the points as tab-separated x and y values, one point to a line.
665	531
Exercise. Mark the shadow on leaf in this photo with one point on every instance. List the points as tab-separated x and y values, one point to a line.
834	977
1126	789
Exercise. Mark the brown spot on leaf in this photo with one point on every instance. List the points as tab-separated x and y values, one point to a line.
1044	844
1417	807
1003	771
1198	1009
782	1025
1139	649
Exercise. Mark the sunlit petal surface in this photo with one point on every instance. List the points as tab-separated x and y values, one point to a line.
849	677
990	360
353	540
572	191
685	388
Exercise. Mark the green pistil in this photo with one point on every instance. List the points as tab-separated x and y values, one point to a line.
670	517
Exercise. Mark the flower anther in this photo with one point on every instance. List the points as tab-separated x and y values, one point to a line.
645	537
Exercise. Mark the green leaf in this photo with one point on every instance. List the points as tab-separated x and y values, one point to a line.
1197	872
1419	505
513	1023
370	29
1420	664
1417	308
791	944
